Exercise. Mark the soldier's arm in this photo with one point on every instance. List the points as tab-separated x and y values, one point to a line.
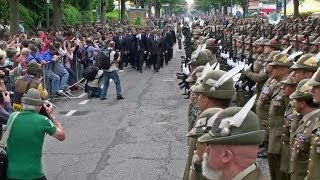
260	77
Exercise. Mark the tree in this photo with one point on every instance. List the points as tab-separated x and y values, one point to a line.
103	12
296	8
14	16
123	11
57	13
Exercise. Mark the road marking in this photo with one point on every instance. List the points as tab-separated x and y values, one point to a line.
160	123
84	102
82	95
169	80
71	112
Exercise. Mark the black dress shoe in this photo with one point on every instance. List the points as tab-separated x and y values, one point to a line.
141	71
120	97
157	70
103	98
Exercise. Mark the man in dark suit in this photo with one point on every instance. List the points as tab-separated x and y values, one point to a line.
120	46
156	49
147	38
141	50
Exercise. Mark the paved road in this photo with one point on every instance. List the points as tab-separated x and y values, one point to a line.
139	138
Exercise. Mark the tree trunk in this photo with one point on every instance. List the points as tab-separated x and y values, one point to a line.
57	13
296	8
103	13
123	11
14	16
158	7
149	9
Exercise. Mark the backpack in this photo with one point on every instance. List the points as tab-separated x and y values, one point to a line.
90	72
103	59
83	54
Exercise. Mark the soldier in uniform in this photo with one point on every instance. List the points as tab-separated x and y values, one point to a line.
232	149
209	97
300	151
179	35
288	88
314	157
195	39
264	99
200	128
280	70
315	46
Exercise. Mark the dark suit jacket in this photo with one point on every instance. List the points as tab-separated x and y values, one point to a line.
156	46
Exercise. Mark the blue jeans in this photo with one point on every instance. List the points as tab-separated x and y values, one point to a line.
115	77
54	79
63	73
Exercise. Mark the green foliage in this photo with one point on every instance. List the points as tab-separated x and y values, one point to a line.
30	18
114	15
4	10
71	15
110	5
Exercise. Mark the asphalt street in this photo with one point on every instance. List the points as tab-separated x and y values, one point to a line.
139	138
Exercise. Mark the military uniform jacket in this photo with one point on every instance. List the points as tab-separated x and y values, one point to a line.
301	146
285	138
258	63
313	172
276	113
253	172
264	100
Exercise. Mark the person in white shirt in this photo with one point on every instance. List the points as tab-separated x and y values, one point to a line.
112	73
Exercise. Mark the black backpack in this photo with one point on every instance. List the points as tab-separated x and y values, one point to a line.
90	72
103	59
83	54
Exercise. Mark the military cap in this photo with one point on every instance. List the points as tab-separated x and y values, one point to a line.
303	90
272	55
315	80
263	42
201	126
209	88
256	42
289	80
281	60
316	42
195	74
306	62
246	132
239	38
199	58
274	43
300	37
287	37
236	35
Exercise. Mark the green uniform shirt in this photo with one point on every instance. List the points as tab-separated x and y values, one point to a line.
24	146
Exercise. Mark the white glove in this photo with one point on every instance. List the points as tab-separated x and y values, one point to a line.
229	62
185	69
247	88
254	88
246	67
227	55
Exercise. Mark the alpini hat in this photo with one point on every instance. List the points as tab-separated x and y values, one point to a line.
303	90
315	80
306	62
233	126
281	60
216	84
271	55
201	126
199	58
289	80
32	97
195	74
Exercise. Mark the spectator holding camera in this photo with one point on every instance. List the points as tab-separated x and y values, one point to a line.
25	142
5	108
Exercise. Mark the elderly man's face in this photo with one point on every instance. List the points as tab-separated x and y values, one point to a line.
212	162
202	102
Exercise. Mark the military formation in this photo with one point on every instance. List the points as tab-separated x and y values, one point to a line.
254	91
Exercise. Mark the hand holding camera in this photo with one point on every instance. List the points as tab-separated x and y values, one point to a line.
6	97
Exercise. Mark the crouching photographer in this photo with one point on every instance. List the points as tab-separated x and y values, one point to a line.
26	137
